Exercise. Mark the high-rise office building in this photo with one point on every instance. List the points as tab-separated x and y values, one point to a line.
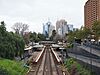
91	12
61	27
70	27
45	30
48	28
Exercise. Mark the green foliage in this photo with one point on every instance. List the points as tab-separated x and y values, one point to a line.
37	37
11	44
71	36
80	34
83	33
69	45
53	35
3	71
33	36
71	65
41	37
96	28
9	67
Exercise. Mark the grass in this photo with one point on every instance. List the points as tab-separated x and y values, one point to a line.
12	67
73	66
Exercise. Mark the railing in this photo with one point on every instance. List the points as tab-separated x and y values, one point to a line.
97	47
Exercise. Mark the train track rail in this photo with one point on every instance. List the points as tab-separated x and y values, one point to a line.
48	64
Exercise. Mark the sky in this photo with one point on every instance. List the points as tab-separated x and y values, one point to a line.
36	12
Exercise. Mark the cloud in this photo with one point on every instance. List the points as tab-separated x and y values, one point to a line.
36	12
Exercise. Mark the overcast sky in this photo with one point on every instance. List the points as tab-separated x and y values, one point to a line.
36	12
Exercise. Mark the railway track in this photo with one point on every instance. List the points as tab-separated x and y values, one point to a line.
46	65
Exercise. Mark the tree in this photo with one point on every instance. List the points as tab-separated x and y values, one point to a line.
41	37
20	28
26	37
24	28
81	33
11	44
17	27
57	38
96	29
33	36
53	35
37	37
2	27
70	37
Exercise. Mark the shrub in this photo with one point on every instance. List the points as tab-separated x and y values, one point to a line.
75	68
11	67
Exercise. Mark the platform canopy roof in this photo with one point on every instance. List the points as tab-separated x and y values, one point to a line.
47	42
28	48
38	46
55	45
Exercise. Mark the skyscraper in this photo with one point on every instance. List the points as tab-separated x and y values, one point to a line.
48	28
91	12
70	27
61	27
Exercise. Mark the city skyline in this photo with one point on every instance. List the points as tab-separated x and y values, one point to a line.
36	12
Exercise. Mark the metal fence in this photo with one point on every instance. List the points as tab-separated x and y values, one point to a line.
95	46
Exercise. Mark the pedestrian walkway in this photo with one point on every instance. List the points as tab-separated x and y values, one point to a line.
93	51
85	59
